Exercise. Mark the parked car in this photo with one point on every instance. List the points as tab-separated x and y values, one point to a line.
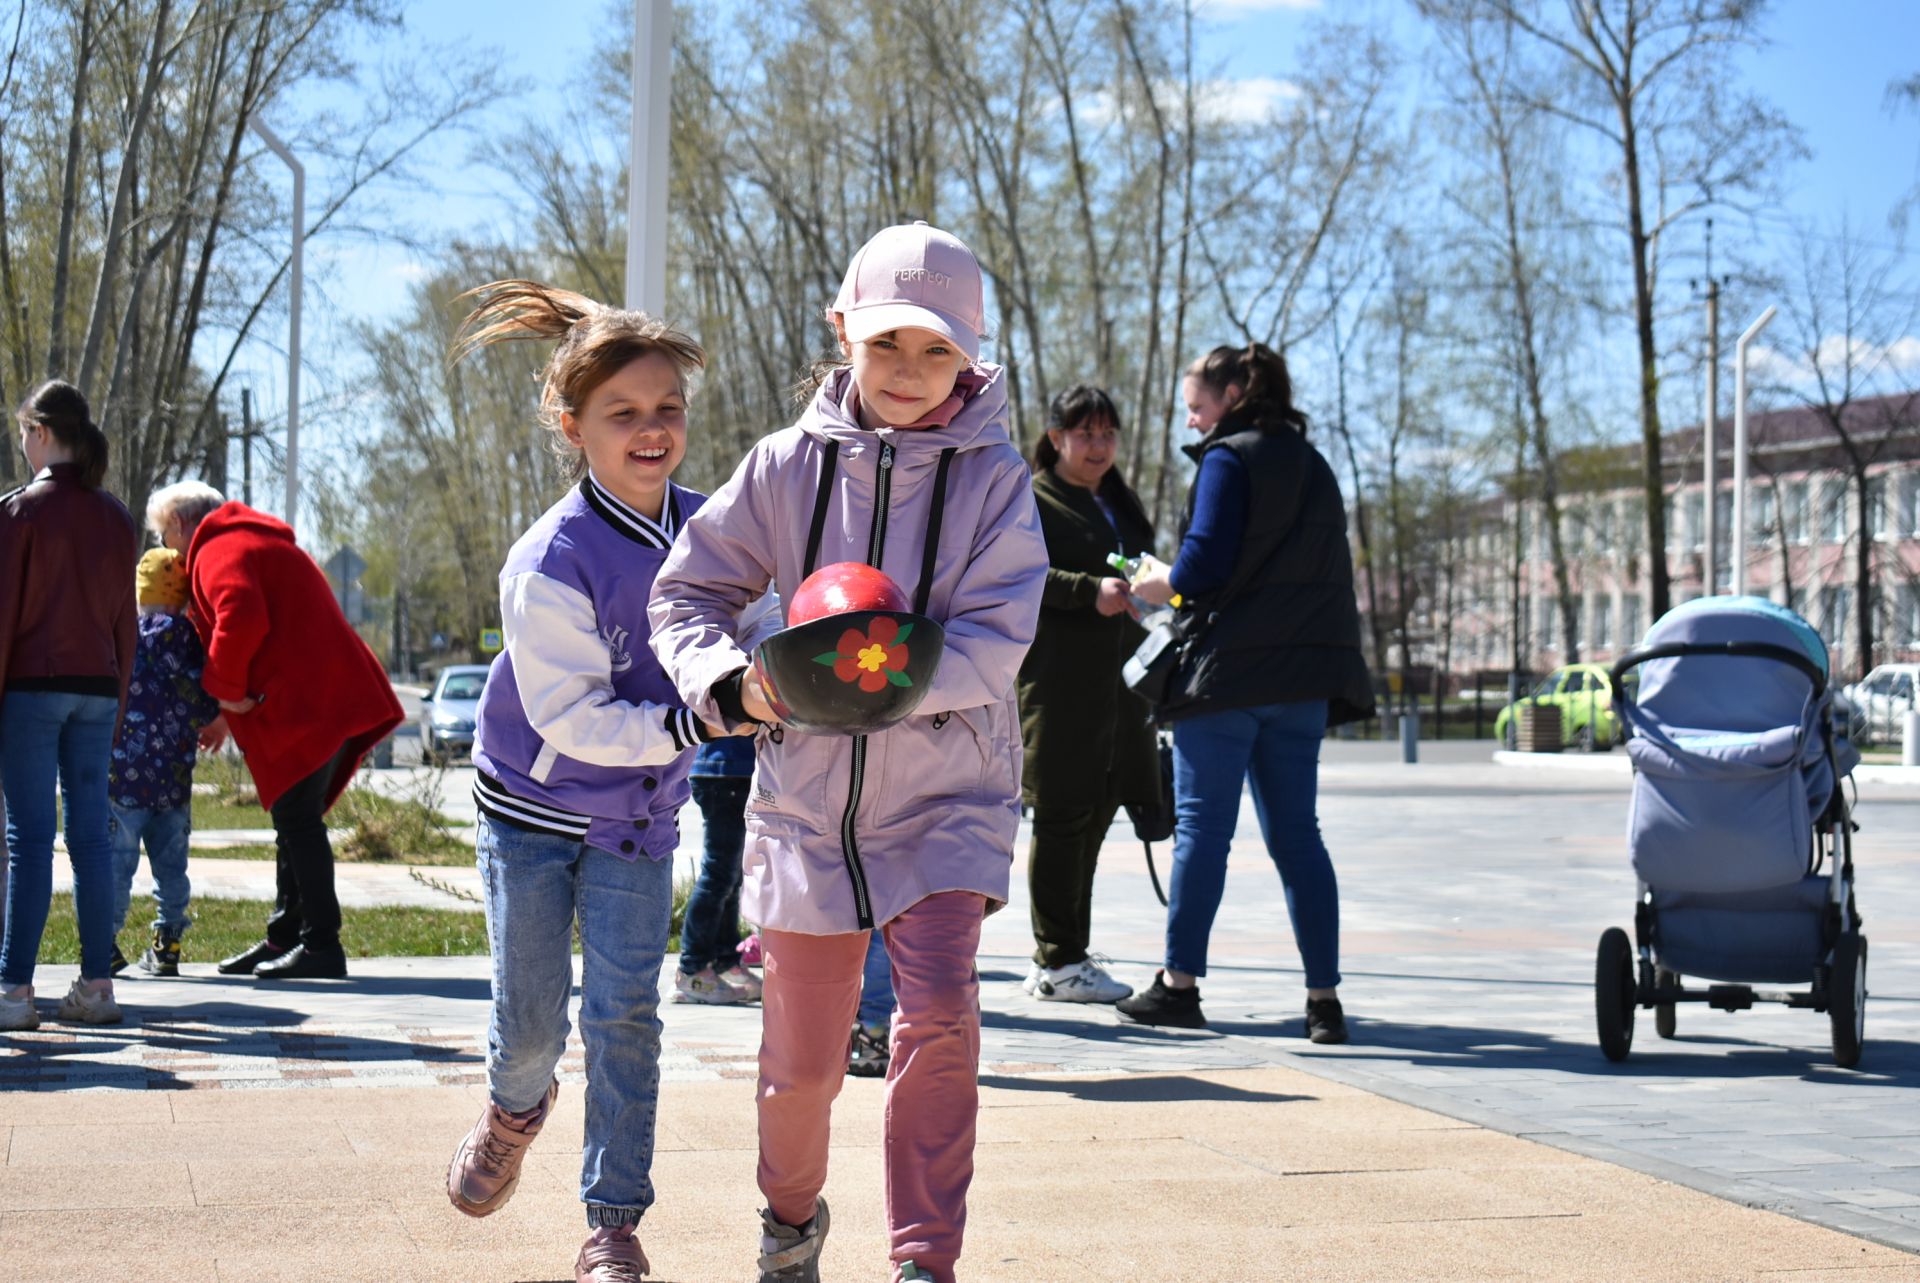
1584	695
447	712
1881	701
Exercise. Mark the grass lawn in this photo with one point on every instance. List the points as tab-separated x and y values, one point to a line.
366	825
458	855
225	927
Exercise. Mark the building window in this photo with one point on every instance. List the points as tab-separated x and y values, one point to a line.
1907	627
1603	516
1796	503
1764	502
1797	601
1549	623
1833	510
1907	520
1696	525
1603	624
1672	518
1877	505
1630	619
1835	603
1579	621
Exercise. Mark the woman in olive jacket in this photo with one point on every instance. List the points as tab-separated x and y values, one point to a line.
1088	739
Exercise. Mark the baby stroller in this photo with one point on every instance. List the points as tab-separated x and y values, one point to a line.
1739	826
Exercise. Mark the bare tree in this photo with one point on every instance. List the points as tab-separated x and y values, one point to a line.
1652	82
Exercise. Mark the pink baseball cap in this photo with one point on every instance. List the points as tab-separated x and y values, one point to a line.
914	277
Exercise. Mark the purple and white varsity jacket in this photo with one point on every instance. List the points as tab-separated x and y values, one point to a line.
580	733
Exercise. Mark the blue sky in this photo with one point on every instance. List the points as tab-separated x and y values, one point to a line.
1826	67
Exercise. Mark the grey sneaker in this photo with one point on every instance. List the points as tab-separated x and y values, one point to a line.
790	1255
18	1013
486	1167
86	1006
611	1260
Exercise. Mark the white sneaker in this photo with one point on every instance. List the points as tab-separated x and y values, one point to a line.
1085	981
88	1007
704	987
744	982
1032	981
19	1013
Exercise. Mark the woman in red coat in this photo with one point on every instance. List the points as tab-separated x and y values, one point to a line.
299	691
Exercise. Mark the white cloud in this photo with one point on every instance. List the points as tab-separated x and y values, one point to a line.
1900	358
1247	100
1235	8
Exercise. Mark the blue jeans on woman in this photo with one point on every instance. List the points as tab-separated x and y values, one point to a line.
538	887
710	932
876	984
1276	749
49	740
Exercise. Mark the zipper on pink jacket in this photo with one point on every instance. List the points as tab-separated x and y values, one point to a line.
849	840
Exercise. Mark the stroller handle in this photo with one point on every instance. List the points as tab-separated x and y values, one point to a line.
1674	650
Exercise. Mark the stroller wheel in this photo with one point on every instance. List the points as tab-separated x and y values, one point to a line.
1847	998
1613	994
1663	1020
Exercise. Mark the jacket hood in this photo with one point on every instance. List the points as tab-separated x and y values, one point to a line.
233	515
980	422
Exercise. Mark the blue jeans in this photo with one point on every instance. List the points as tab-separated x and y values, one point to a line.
165	833
538	887
876	983
1276	749
50	739
710	933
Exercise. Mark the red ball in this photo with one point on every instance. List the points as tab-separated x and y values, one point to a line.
841	587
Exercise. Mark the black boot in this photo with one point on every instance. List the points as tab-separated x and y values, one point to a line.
1326	1022
243	964
1160	1005
162	957
302	963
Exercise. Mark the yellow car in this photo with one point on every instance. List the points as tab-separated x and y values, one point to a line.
1584	695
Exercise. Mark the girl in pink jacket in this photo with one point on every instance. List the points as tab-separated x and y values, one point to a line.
911	829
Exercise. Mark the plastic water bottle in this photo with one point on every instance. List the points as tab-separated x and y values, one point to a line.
1137	568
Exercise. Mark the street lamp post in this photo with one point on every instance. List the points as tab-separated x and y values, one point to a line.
1739	549
285	153
647	167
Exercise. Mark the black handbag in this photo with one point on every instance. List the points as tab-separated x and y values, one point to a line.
1154	821
1149	673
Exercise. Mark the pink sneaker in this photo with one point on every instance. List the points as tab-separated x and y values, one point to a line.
486	1168
610	1260
750	951
744	982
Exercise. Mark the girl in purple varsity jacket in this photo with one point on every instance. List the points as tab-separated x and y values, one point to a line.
581	757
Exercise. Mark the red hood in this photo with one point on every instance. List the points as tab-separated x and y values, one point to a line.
234	515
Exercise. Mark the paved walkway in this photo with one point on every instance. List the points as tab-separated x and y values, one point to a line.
1473	895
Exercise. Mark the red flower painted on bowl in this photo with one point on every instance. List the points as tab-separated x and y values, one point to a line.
875	659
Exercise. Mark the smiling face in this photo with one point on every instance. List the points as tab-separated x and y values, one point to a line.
1086	452
903	375
633	430
1204	405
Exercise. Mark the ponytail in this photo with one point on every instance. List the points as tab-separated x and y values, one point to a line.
62	410
1266	389
596	342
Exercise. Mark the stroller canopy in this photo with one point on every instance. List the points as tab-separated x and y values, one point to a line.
1734	755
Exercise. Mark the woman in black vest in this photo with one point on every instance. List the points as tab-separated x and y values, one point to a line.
1089	744
1264	561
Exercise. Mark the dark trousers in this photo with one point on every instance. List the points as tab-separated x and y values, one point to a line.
1060	866
710	932
305	909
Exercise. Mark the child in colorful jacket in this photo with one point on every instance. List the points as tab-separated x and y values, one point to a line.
150	781
581	764
910	829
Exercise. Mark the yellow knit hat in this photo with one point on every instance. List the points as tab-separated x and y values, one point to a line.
161	579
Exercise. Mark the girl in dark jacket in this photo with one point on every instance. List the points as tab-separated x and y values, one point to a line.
1264	561
1089	744
67	619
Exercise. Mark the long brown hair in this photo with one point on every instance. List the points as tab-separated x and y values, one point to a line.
596	342
62	410
1266	389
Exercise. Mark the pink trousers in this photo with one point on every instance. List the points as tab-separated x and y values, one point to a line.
933	1093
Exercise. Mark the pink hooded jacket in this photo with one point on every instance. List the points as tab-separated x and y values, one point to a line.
840	837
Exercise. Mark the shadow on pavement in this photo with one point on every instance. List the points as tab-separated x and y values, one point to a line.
1885	1063
1141	1090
